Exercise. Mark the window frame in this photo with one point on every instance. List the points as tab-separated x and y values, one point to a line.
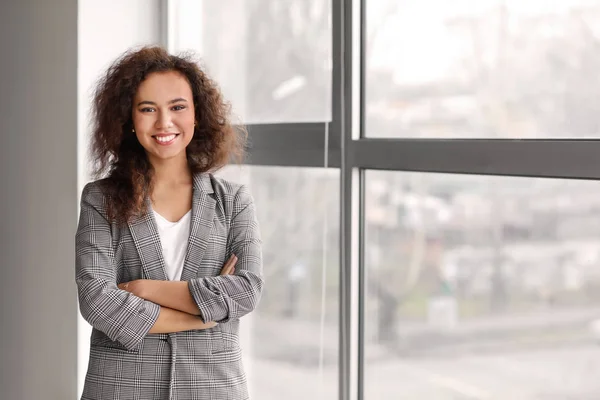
341	144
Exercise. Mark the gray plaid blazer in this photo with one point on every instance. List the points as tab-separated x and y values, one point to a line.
126	362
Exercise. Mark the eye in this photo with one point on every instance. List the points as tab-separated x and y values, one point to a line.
147	109
179	107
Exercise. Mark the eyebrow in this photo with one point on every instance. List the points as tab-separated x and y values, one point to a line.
170	102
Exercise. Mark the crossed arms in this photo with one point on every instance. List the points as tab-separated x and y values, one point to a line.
127	313
178	312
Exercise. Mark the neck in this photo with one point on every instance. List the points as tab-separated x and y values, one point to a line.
174	171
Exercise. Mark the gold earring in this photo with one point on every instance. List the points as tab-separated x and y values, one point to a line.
133	130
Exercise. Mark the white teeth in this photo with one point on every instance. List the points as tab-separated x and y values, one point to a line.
165	139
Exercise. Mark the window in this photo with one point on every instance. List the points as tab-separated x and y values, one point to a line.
481	287
485	69
291	340
272	58
404	123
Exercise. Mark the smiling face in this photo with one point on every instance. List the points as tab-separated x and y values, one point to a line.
163	115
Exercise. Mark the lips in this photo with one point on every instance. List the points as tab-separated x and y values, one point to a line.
165	139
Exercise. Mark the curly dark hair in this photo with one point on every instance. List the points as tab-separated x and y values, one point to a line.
116	152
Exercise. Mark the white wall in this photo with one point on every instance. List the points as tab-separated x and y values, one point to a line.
106	29
38	194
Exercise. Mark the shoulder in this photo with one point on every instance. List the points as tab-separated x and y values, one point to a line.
94	194
225	187
229	192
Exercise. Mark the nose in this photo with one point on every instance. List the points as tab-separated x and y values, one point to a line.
164	120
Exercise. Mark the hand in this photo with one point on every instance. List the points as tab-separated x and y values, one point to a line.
229	267
139	287
208	325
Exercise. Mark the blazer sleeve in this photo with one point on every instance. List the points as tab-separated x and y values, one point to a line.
225	297
122	316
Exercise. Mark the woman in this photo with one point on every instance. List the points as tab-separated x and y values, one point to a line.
168	256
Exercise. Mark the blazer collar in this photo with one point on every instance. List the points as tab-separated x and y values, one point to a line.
147	240
202	183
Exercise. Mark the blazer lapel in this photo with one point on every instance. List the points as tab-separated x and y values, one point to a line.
203	211
147	242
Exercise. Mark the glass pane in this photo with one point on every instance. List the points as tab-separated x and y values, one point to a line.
272	58
482	69
291	341
482	287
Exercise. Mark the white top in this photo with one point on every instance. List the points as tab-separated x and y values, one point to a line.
174	240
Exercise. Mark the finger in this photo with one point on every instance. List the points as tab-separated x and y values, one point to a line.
230	263
225	267
231	267
209	324
226	270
